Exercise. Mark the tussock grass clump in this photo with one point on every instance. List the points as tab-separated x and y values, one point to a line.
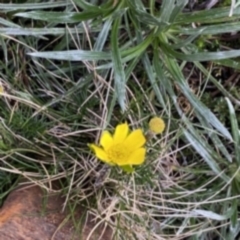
71	69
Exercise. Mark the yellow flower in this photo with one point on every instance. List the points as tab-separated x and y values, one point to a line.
123	148
156	125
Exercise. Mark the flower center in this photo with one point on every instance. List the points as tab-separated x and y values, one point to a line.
118	153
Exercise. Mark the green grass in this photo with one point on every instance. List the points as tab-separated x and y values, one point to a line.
71	69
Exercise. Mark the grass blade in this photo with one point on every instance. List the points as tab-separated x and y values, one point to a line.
201	148
119	75
30	6
73	55
235	130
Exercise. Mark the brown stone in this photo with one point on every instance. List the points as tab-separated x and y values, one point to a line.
28	215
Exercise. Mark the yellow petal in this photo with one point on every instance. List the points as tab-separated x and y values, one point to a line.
137	157
156	125
135	140
120	133
99	152
106	140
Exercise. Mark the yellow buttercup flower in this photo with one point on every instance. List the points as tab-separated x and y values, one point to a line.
123	148
156	125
